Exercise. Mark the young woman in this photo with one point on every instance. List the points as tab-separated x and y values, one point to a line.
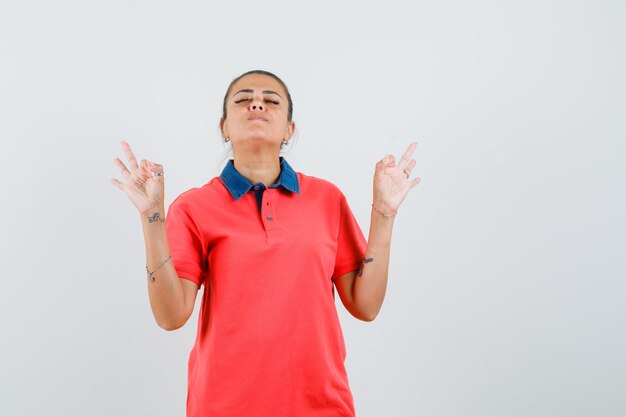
269	245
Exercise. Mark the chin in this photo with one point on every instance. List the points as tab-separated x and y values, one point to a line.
259	139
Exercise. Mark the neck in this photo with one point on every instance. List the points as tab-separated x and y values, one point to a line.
263	167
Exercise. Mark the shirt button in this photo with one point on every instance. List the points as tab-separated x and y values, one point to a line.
270	218
268	203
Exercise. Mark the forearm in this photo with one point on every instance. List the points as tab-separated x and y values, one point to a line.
370	283
164	286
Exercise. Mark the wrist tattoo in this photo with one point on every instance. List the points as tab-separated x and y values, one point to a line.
156	217
365	261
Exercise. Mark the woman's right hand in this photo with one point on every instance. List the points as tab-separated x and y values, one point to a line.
143	188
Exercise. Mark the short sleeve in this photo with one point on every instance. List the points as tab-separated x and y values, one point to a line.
351	243
189	254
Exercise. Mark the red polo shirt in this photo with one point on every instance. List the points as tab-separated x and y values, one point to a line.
269	342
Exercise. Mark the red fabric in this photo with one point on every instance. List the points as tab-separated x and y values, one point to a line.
269	341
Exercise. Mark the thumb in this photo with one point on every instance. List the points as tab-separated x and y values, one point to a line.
386	162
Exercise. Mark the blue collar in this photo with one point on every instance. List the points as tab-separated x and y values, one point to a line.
238	185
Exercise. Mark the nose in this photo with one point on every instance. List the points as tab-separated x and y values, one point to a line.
256	104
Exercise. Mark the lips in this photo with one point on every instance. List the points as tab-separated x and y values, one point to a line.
257	117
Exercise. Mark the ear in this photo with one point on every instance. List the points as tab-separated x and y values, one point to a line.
291	127
223	128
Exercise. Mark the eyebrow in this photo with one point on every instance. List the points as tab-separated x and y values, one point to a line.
249	90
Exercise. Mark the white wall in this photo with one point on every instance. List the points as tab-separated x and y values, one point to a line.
506	294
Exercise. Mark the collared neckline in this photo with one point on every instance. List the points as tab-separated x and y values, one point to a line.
238	185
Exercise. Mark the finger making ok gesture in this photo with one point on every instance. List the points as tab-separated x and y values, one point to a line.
392	181
144	181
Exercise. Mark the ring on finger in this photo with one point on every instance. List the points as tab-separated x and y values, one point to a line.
158	174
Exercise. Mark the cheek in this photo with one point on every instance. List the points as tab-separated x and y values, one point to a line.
281	127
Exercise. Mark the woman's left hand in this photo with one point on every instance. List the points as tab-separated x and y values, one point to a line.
392	181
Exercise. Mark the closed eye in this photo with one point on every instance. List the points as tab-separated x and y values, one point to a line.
241	100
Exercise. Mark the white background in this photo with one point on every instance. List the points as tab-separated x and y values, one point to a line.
507	280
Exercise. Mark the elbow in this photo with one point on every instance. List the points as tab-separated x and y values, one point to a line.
170	325
172	320
364	313
367	316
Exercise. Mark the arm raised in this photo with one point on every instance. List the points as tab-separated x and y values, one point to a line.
172	298
362	292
